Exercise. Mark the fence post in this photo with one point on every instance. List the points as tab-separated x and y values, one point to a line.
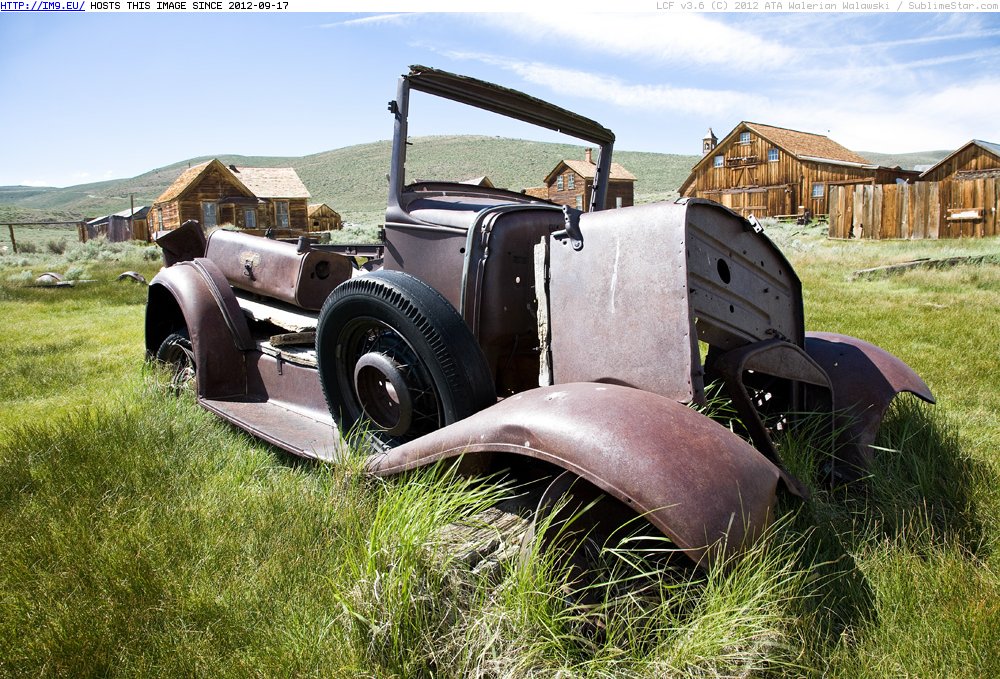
13	243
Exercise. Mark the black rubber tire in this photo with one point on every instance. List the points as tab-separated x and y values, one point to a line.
176	352
396	360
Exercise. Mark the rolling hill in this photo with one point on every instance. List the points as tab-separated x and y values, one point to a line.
352	180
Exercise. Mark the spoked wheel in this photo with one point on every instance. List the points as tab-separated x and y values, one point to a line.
396	360
176	353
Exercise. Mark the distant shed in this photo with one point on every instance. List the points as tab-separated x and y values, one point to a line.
324	218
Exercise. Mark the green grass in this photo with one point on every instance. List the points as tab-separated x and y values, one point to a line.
143	537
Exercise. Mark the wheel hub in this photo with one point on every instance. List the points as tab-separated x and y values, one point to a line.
383	393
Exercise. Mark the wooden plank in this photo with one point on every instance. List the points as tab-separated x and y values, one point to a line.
991	204
905	227
857	228
877	192
836	214
933	210
919	212
890	223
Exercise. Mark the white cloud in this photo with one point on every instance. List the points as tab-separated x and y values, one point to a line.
376	20
682	39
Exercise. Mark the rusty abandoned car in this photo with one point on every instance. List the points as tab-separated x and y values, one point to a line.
513	334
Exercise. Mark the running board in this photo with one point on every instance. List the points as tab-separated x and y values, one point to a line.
287	429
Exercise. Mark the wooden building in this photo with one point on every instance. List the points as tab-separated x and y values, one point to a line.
975	160
324	218
248	198
121	226
773	171
570	183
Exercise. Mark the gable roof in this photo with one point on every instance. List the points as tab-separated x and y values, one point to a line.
271	182
140	213
259	182
315	208
987	146
192	175
803	145
589	170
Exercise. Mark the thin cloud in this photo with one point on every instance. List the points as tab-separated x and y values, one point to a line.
375	20
665	39
576	83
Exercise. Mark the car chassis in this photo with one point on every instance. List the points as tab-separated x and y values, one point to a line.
510	333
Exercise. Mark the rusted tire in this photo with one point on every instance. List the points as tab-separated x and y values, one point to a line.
176	353
396	360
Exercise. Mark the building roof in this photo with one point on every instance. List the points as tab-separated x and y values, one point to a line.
589	170
262	182
314	208
271	182
805	144
140	213
987	146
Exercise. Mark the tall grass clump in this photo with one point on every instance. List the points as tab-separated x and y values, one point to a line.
399	589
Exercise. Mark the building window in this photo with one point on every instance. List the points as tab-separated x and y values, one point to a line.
718	161
559	183
159	218
281	214
772	155
571	181
817	190
744	137
579	202
250	218
209	215
618	201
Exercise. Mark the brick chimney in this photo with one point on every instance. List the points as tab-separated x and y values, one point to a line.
588	156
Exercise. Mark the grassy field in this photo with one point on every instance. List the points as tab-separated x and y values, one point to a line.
144	538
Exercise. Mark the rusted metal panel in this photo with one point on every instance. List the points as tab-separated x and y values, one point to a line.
865	378
619	307
298	275
218	330
695	481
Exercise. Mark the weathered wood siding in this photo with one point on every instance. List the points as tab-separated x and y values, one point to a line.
954	209
973	158
324	218
749	182
579	195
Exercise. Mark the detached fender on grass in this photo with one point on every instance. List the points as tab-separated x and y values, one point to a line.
865	378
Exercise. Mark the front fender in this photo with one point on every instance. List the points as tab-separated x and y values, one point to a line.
865	378
702	486
194	294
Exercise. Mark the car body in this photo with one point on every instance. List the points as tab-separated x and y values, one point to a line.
507	332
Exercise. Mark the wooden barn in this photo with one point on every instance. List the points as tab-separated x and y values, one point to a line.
772	171
570	183
974	160
247	197
324	218
967	189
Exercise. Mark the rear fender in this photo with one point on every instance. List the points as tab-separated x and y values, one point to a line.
702	486
194	294
864	378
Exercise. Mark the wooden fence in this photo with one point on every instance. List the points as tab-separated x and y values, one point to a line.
949	209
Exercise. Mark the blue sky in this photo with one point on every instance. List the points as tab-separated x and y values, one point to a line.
88	97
